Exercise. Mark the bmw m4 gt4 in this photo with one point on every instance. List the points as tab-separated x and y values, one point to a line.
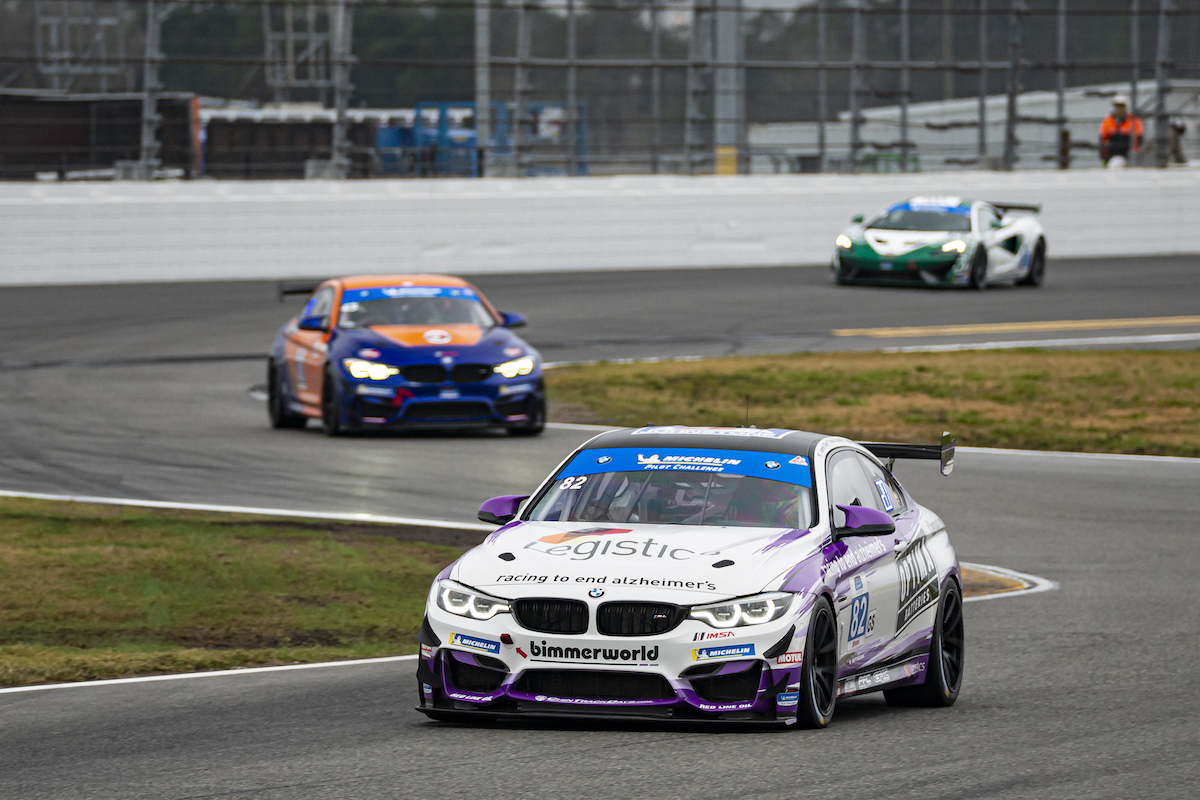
376	351
719	574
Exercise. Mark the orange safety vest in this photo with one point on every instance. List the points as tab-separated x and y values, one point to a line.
1116	138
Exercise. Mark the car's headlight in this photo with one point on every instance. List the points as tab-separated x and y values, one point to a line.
843	241
957	244
746	611
369	369
511	369
467	602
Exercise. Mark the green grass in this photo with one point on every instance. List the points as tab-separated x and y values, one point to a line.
96	591
1098	401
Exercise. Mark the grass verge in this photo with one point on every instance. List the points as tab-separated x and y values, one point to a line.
1093	401
89	592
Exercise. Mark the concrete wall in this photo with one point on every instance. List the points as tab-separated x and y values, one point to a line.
116	232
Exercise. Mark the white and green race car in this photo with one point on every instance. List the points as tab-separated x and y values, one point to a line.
943	241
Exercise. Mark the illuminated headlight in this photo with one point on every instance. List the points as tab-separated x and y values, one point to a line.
844	241
749	611
369	369
958	245
466	602
511	369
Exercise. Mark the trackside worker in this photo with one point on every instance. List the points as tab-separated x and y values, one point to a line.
1120	132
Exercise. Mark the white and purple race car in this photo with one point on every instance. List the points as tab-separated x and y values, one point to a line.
719	574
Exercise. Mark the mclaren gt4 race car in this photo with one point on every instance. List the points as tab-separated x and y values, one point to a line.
720	574
943	241
374	351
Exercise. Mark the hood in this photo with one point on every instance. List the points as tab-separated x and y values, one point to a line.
897	243
408	344
673	563
426	335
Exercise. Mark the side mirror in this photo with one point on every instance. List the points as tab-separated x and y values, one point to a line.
862	521
997	224
502	509
313	323
857	219
512	319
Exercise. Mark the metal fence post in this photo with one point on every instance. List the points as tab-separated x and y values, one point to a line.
342	38
1064	133
1161	86
856	58
148	160
1135	47
572	99
822	87
520	85
904	87
655	89
483	85
983	83
1014	84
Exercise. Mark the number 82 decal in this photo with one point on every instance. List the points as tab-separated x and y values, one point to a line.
573	483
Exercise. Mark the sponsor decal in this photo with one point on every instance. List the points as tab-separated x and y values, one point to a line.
559	538
724	706
799	461
376	391
858	616
918	582
426	688
853	559
690	459
628	548
449	394
522	578
383	292
475	643
858	584
880	677
752	433
369	352
725	651
788	698
471	698
614	580
426	651
884	495
796	657
436	336
588	701
612	655
703	636
513	352
517	388
690	463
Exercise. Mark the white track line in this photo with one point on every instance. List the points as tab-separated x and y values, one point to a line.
266	512
213	674
1013	345
1033	583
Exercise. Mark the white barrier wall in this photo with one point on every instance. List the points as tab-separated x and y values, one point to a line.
208	230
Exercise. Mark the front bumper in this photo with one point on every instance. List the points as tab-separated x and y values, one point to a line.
900	271
466	669
508	403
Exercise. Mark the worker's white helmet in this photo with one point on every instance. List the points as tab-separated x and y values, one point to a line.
1120	100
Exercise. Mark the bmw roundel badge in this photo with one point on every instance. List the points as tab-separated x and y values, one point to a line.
772	465
603	459
596	593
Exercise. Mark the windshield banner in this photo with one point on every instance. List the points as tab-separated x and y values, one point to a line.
386	292
783	467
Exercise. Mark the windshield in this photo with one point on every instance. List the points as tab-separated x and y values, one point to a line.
907	220
412	305
680	487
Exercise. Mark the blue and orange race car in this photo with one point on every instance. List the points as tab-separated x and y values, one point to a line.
420	351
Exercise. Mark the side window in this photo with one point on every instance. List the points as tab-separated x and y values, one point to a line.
848	485
322	304
888	495
986	217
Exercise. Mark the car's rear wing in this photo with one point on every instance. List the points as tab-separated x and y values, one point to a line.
282	289
891	451
1032	208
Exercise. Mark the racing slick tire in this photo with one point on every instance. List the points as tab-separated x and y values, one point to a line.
1037	266
331	417
281	416
978	273
818	675
944	672
536	424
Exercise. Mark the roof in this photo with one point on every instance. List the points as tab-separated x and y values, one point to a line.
769	440
416	279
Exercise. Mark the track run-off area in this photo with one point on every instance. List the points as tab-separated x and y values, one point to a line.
141	392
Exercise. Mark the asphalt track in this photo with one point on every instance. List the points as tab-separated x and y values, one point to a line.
1087	691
